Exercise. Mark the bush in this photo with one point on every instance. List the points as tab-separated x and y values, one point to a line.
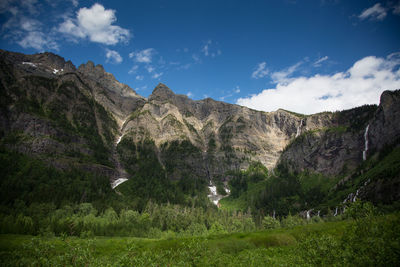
292	221
270	223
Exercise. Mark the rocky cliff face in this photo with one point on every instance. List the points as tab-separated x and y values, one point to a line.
227	136
53	111
86	118
336	148
350	138
384	128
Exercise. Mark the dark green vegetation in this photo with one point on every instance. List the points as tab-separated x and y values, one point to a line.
58	153
150	181
285	192
370	240
63	114
26	181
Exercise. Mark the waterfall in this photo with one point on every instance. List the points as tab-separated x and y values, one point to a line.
121	171
214	196
318	213
335	212
119	139
308	214
366	143
355	196
122	135
299	128
118	182
273	215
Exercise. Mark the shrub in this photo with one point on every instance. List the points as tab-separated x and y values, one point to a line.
270	223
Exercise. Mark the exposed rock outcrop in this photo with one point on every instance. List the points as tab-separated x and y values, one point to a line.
79	117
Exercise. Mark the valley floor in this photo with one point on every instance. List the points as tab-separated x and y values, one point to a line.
370	241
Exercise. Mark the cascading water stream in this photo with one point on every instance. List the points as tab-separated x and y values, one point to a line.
214	196
118	182
308	214
120	169
365	143
298	132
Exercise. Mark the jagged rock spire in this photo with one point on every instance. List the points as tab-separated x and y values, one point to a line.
161	92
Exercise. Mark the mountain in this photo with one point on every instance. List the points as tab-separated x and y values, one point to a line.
84	119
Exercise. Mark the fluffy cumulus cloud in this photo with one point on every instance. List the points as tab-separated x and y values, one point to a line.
260	71
96	24
361	84
377	12
113	56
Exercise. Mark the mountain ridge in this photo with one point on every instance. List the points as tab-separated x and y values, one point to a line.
84	117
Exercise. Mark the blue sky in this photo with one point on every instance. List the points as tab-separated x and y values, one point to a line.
306	56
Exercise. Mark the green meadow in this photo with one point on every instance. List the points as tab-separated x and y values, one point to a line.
373	240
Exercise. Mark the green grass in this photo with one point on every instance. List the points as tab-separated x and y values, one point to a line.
271	247
368	241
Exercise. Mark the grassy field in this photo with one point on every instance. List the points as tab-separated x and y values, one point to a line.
307	245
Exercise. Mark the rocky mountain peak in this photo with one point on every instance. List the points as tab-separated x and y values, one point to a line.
388	97
90	69
42	63
161	92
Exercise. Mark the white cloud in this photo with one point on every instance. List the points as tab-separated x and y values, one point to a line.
157	75
23	28
318	62
30	5
143	56
95	23
184	67
29	24
375	12
209	49
283	75
113	57
190	94
139	77
38	41
75	3
150	69
261	71
236	90
361	84
196	58
133	69
141	88
205	48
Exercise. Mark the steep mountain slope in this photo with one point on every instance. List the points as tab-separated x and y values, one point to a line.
226	136
83	118
52	111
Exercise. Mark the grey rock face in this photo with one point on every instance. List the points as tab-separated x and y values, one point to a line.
385	127
227	136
